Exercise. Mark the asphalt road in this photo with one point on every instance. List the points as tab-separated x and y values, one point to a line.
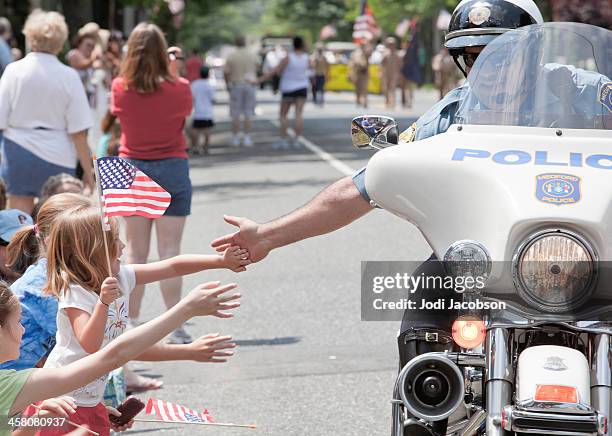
306	363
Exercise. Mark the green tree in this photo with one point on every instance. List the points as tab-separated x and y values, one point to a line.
307	17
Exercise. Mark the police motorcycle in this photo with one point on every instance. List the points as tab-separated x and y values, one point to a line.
518	191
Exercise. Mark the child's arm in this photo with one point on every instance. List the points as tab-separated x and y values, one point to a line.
207	299
89	328
210	348
234	258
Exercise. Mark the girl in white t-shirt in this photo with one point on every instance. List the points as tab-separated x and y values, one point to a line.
93	308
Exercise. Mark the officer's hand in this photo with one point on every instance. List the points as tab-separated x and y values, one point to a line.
248	236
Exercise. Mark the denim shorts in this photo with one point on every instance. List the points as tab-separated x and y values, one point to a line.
172	175
25	173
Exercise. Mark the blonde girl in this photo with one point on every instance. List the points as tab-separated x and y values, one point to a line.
93	308
26	256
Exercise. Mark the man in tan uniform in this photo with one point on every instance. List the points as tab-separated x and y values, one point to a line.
240	76
390	71
358	66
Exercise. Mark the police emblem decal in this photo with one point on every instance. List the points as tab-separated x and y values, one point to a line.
479	15
554	363
408	135
558	189
605	95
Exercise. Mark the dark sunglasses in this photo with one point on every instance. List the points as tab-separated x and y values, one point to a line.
175	57
469	59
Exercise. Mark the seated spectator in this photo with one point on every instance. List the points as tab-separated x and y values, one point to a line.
11	221
54	185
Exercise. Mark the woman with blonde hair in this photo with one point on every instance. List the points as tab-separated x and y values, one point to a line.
44	114
152	104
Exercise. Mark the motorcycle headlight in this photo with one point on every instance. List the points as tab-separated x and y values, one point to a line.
467	259
555	270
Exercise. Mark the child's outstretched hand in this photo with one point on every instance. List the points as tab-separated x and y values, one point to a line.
211	348
212	298
60	406
236	258
110	290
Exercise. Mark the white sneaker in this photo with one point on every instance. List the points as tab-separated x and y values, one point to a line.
235	141
179	336
295	142
247	142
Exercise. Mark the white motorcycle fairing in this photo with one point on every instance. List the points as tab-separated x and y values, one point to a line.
479	183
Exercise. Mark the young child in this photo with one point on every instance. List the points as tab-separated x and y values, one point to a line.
93	308
26	255
11	220
203	99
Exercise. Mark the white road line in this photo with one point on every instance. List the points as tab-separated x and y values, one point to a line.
331	160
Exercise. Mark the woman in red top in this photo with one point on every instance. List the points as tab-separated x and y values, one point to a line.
151	105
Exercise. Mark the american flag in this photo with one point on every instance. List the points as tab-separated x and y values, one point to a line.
128	191
365	28
171	412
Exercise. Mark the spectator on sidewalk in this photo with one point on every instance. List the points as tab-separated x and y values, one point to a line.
358	68
6	55
193	64
203	94
271	61
152	105
82	58
240	76
46	139
445	73
411	71
390	71
321	71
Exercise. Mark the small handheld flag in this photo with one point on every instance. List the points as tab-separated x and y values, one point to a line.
128	191
170	412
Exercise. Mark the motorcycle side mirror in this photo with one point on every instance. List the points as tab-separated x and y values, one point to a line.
375	131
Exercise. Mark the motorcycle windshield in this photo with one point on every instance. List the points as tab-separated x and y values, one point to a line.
554	75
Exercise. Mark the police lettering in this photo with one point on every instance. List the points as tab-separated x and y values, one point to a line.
520	157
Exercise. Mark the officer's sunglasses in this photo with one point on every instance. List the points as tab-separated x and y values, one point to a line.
469	59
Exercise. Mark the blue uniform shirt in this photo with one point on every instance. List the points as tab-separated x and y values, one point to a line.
433	122
38	317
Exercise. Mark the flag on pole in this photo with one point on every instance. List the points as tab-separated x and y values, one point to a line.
365	28
170	412
128	191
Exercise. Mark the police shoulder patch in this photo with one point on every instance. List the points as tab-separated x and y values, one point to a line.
409	134
605	95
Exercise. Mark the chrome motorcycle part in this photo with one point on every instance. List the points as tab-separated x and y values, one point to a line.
431	386
414	427
474	423
468	259
473	379
499	379
601	375
374	131
543	422
555	270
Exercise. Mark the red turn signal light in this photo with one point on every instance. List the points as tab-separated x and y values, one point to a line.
469	331
556	393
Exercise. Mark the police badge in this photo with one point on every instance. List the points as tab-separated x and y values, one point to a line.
408	135
558	189
479	15
605	95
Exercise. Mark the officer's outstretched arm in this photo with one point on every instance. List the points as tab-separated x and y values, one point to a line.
333	208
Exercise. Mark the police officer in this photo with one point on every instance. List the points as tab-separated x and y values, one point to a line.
473	25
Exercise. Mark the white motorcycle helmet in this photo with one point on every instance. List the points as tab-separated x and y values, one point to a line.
475	23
